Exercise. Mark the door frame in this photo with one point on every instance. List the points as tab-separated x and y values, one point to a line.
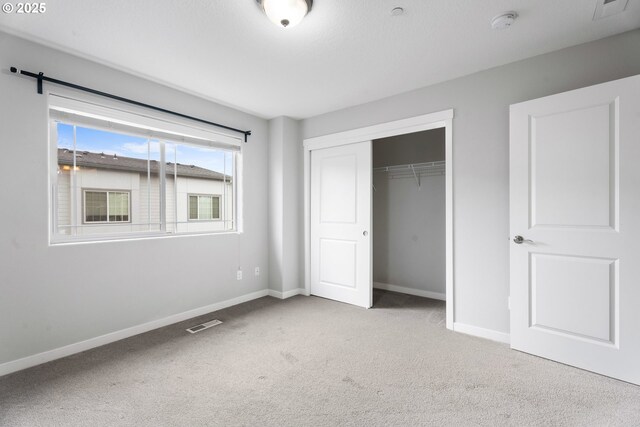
436	120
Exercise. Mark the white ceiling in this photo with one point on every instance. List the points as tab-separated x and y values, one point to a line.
344	53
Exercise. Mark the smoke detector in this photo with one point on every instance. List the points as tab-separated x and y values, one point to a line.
504	20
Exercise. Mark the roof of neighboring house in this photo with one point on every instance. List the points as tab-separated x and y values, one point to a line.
130	164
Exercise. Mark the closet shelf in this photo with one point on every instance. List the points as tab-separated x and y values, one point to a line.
413	170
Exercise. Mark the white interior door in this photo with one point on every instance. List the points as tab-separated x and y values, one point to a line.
575	201
340	235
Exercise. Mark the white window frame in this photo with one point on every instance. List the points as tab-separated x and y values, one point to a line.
198	195
100	190
144	123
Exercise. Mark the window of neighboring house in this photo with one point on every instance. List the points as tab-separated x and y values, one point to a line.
113	177
204	207
106	206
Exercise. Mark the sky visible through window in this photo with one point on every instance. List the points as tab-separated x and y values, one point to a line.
110	143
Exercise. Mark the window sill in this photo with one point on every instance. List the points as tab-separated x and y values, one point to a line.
66	241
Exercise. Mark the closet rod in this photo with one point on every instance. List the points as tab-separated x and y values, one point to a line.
415	170
40	77
411	167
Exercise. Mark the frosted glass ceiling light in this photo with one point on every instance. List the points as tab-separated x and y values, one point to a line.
286	13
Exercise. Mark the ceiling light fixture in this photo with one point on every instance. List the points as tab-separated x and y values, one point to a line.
286	13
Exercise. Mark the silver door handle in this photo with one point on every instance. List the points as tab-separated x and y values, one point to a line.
365	233
520	240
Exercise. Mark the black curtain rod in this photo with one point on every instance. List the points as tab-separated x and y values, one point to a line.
40	77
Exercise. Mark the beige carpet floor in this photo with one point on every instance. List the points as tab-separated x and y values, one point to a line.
307	361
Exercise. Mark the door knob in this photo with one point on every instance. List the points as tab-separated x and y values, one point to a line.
520	240
365	233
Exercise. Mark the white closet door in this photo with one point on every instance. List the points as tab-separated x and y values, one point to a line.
575	222
341	223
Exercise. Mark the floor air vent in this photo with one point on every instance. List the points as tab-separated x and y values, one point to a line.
203	326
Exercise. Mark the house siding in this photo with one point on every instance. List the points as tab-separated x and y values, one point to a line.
144	202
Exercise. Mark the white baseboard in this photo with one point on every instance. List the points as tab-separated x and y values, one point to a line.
476	331
286	294
47	356
410	291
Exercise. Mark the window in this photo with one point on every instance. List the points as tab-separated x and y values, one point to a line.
106	206
204	207
117	174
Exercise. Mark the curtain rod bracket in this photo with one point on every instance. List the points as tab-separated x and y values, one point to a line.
40	77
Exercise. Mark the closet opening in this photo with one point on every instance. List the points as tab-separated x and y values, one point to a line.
341	227
409	215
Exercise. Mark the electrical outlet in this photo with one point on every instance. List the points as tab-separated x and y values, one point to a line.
257	271
239	275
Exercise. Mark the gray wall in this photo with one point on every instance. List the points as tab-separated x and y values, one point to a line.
285	200
276	203
54	296
481	154
418	147
293	239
